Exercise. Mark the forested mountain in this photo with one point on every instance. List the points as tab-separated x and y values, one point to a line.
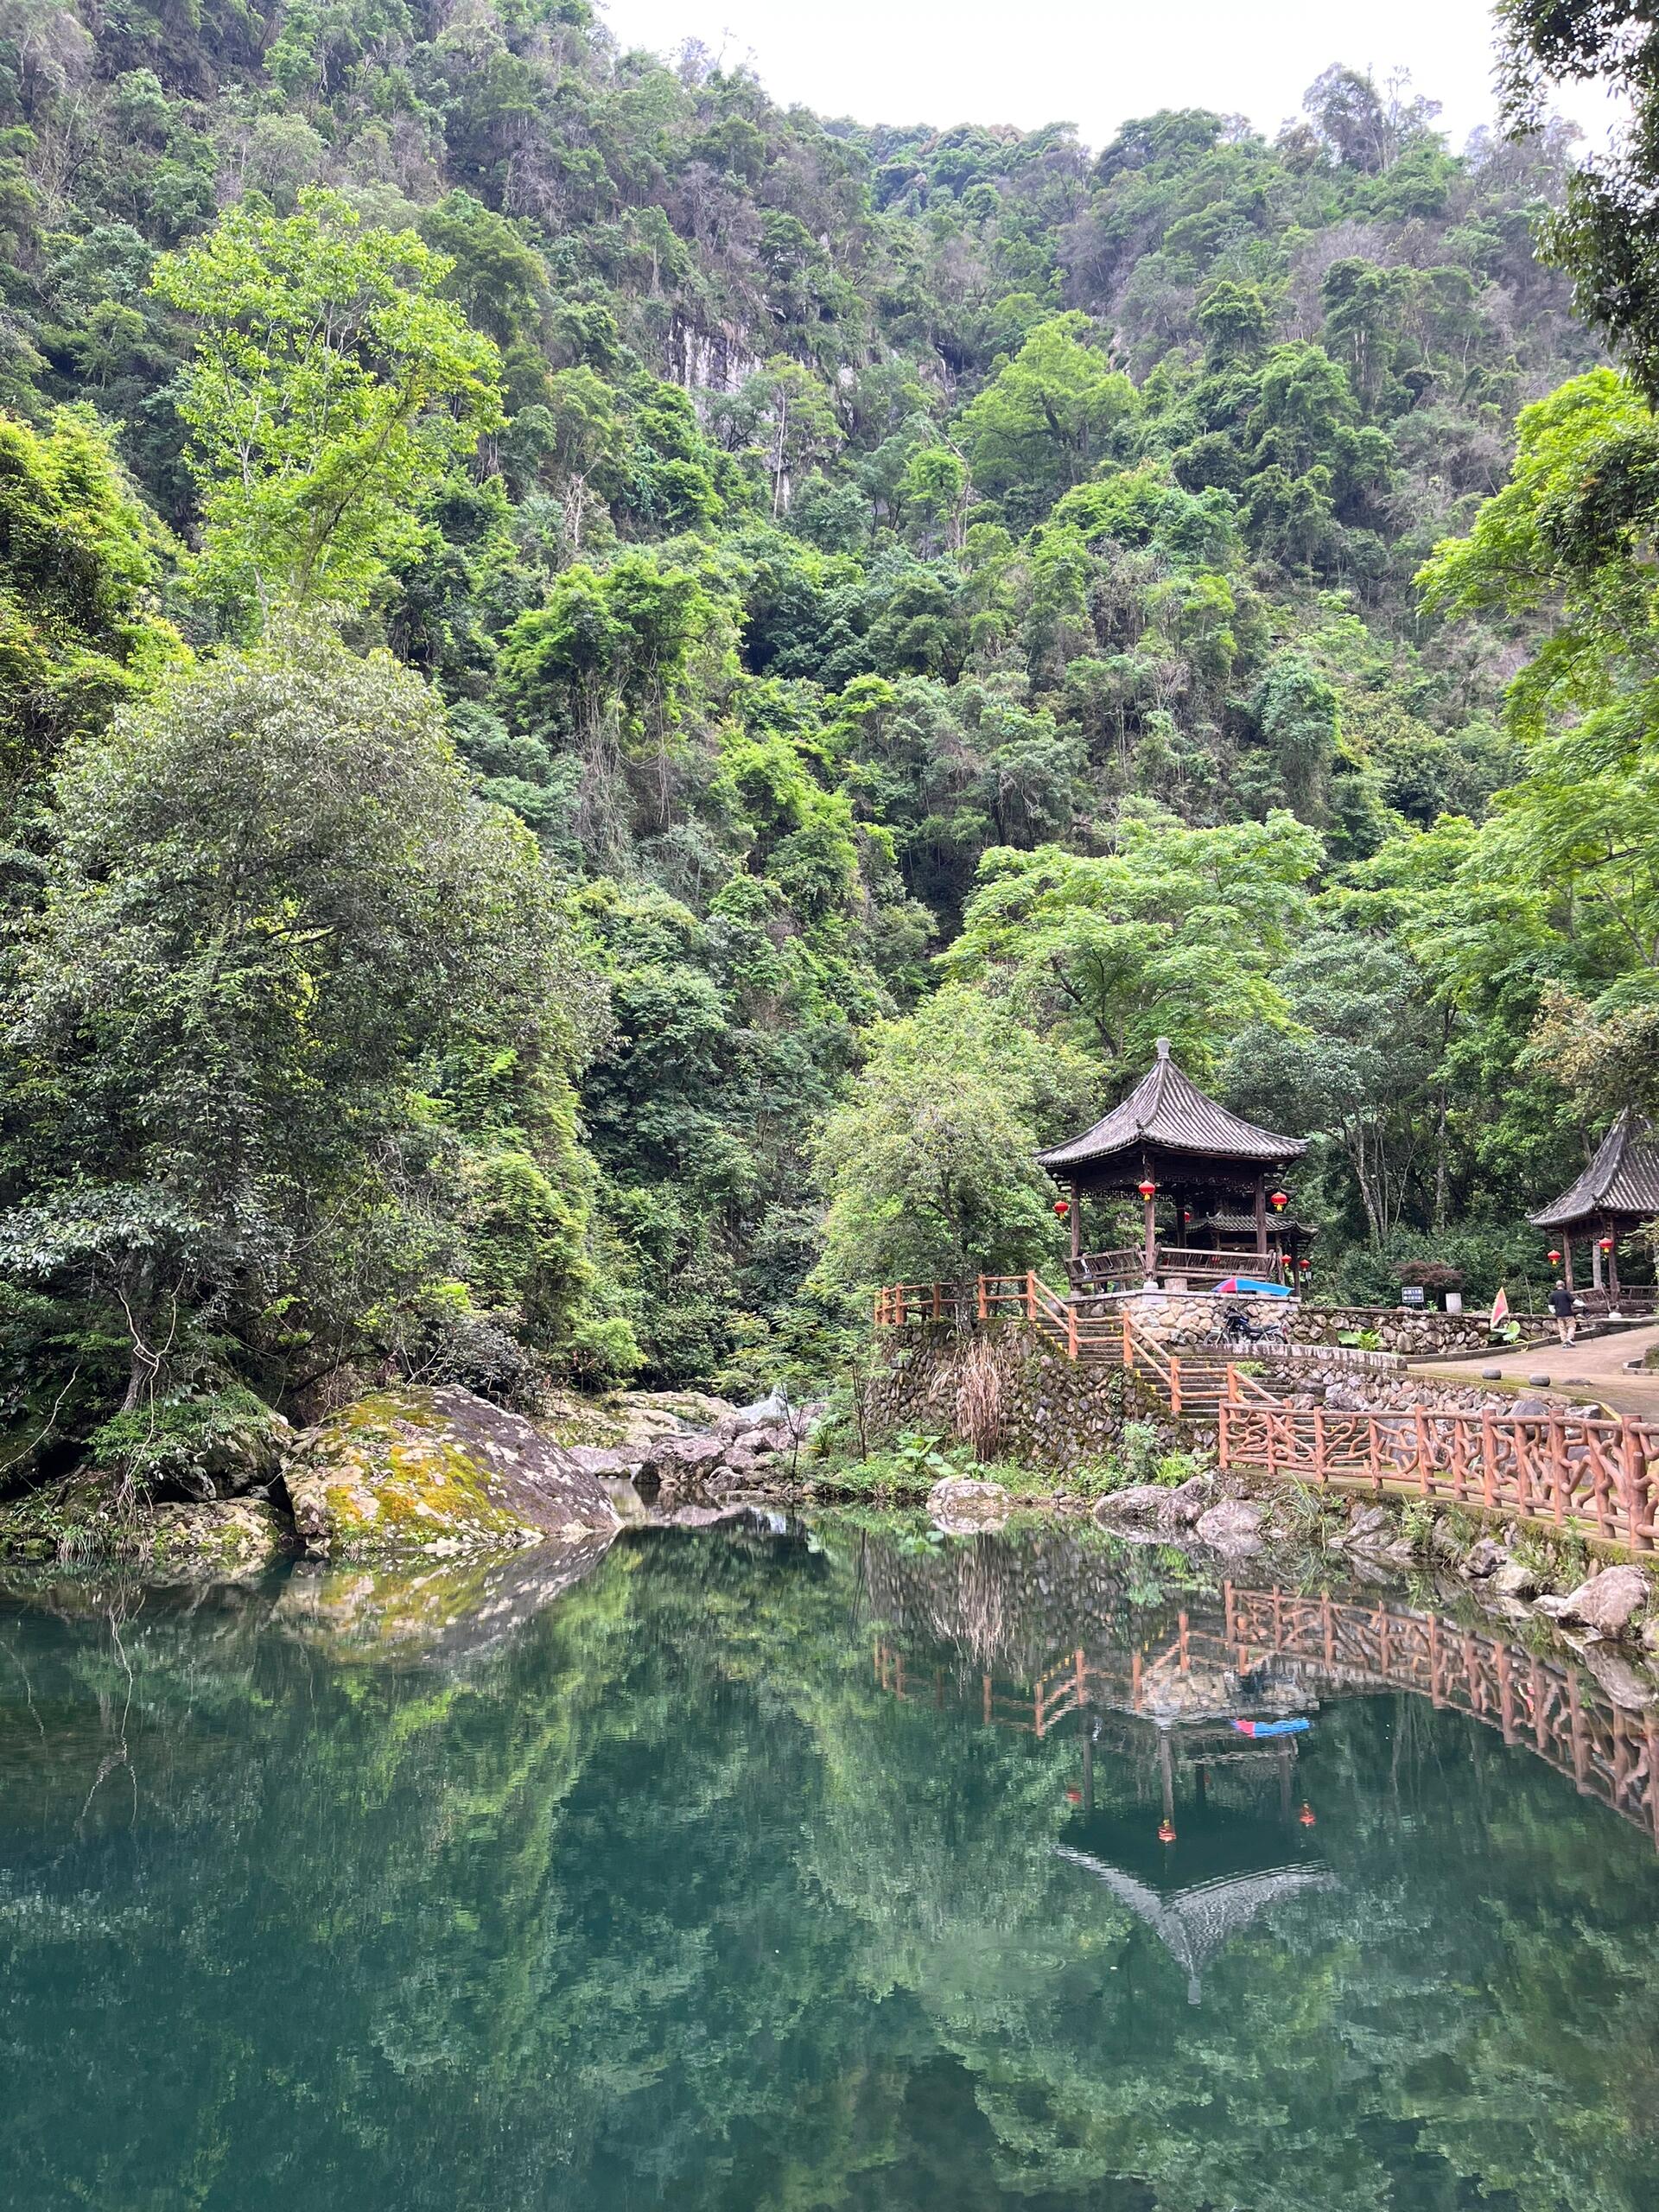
612	698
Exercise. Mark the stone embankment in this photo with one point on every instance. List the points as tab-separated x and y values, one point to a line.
1343	1388
1012	1395
1184	1321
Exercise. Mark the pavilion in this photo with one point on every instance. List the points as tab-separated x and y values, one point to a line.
1214	1864
1617	1192
1212	1169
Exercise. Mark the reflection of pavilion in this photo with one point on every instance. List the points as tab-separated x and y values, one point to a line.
1209	1868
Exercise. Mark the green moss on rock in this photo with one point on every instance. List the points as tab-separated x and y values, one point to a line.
440	1473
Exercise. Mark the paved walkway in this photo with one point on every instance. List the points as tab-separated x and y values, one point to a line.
1593	1369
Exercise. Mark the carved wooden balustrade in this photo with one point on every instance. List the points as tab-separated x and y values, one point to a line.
1590	1474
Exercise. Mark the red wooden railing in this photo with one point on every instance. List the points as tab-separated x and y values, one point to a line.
1589	1474
1592	1475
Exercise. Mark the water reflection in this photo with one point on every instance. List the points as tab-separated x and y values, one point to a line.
1049	1630
817	1868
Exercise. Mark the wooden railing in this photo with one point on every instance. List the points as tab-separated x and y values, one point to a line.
1554	1710
1193	1381
901	1303
1591	1475
1126	1268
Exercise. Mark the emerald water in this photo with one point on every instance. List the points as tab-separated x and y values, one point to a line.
774	1868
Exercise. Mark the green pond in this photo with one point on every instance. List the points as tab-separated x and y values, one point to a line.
777	1866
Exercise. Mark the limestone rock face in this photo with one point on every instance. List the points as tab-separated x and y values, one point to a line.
1608	1602
1235	1526
958	1505
224	1541
411	1471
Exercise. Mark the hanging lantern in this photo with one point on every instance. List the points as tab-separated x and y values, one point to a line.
1552	1258
1146	1187
1605	1243
1074	1796
1279	1201
1306	1266
1307	1816
1062	1206
1166	1831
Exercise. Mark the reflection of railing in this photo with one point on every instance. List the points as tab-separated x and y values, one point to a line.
1572	1471
1553	1711
1123	1680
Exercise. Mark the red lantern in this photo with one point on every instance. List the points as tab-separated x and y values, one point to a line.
1553	1257
1606	1244
1306	1266
1165	1832
1062	1206
1146	1187
1074	1796
1280	1200
1307	1816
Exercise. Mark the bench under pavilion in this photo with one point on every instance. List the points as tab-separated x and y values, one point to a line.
1209	1175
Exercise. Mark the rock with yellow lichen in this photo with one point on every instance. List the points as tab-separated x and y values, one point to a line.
225	1542
410	1473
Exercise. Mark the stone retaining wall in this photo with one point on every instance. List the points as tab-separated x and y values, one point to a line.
1180	1319
1346	1389
1051	1412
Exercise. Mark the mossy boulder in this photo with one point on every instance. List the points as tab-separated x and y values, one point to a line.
226	1541
410	1472
86	1518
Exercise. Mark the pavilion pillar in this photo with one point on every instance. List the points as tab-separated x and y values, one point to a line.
1566	1257
1612	1261
1076	1231
1151	1254
1262	1215
1595	1255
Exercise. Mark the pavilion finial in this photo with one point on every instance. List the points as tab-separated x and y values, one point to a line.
1163	1048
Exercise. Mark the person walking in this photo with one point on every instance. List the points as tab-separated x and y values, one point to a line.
1561	1303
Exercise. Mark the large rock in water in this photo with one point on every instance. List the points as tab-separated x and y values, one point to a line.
1234	1526
1608	1602
1170	1508
410	1472
959	1505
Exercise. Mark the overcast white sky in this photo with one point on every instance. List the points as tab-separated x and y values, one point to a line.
1090	62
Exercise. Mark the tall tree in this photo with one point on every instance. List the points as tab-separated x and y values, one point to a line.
329	389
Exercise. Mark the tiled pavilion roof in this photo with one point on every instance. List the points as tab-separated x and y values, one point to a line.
1623	1178
1168	1112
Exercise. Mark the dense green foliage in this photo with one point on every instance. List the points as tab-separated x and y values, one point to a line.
859	559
